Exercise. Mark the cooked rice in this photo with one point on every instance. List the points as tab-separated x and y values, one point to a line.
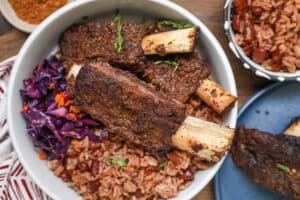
276	29
86	171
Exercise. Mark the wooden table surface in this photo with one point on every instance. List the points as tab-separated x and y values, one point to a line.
210	12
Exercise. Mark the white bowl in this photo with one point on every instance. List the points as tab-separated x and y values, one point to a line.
247	62
43	41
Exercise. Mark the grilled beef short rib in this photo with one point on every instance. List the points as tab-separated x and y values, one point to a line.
128	106
273	161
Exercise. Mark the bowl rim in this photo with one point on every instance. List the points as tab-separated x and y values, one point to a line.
259	70
168	4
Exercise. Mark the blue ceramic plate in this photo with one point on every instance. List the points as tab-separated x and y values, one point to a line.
269	110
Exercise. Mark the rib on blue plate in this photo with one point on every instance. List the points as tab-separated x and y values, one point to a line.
271	110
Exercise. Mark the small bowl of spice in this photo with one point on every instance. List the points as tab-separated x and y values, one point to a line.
25	15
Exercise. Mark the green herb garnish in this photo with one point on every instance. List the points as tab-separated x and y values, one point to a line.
168	62
115	162
119	39
175	25
117	18
163	165
283	167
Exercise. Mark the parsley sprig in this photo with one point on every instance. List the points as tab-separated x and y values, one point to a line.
163	165
283	167
175	64
115	162
175	25
119	39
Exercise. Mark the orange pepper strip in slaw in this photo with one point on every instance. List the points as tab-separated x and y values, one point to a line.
42	155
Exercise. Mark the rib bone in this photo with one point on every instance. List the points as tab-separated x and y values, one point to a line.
170	42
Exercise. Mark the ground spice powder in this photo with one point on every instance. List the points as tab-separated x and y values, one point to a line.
35	11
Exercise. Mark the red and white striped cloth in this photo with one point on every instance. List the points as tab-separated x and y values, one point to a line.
15	183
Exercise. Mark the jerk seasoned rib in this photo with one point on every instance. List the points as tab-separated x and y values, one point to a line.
131	108
273	161
96	40
125	105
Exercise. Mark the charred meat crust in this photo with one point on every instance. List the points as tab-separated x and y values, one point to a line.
259	153
96	40
128	106
178	85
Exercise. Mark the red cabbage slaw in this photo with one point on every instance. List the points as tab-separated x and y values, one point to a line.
51	119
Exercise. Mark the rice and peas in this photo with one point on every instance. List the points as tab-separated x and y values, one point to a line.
268	31
97	164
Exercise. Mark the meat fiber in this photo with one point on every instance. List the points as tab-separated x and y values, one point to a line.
128	106
273	161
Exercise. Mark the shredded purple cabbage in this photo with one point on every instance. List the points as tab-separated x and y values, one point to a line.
50	125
